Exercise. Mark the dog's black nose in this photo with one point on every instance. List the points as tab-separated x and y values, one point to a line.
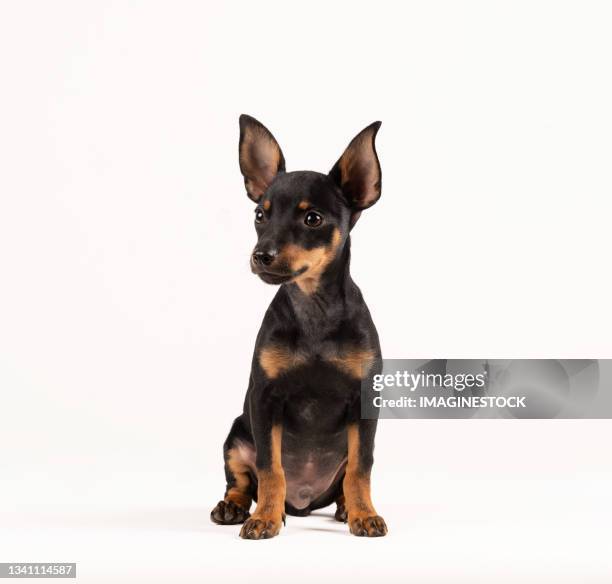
263	258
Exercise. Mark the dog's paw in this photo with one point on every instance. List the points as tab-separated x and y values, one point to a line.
260	528
373	526
228	513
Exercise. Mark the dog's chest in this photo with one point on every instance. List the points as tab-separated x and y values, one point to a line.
351	360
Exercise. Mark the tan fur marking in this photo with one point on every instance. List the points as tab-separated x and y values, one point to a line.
356	484
354	157
275	360
267	204
271	491
355	363
303	205
271	487
346	162
239	492
260	157
316	259
359	160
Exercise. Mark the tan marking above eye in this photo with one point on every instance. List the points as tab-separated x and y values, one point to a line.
267	204
356	362
275	360
303	205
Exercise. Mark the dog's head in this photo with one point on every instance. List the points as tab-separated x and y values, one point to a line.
303	218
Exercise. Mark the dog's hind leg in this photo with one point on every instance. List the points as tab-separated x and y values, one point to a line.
234	508
341	514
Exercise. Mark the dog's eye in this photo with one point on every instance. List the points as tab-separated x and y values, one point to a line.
313	219
259	215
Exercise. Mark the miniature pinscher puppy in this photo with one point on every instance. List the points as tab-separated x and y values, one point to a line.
300	443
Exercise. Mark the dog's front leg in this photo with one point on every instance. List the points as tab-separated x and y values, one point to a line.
271	488
362	517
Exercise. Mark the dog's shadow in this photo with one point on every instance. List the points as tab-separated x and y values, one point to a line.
177	519
155	519
324	515
331	524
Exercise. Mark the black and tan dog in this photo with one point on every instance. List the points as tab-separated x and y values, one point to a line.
300	443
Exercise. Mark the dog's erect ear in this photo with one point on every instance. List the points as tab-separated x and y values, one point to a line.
260	157
357	172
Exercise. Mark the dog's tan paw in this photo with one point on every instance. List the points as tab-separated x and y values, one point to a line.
373	526
228	513
260	528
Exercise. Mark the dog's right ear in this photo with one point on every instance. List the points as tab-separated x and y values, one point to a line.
261	158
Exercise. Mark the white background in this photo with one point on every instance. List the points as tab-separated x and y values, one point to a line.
128	313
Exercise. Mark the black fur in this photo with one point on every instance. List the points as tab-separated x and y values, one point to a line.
314	399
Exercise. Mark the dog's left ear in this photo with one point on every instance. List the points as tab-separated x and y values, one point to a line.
260	156
357	173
